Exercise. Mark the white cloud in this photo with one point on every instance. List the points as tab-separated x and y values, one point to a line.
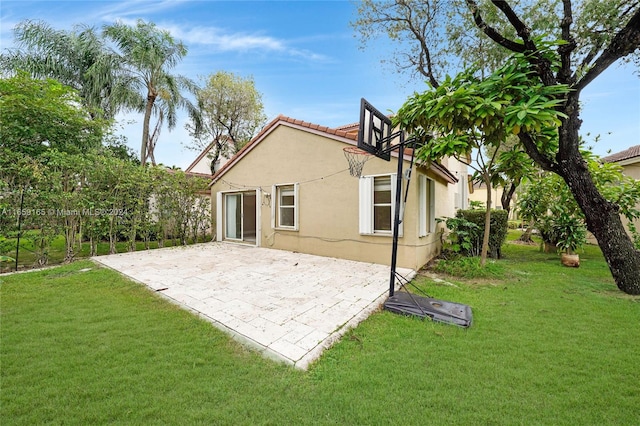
221	41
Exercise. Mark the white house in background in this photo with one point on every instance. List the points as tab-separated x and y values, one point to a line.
629	160
479	193
202	164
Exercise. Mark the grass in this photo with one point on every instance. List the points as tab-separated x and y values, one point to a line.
549	345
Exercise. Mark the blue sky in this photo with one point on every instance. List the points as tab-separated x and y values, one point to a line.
305	60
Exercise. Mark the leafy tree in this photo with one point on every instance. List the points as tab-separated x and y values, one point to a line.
147	55
79	59
37	115
63	185
592	35
512	167
231	112
469	115
547	200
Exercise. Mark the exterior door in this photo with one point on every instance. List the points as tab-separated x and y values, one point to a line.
240	216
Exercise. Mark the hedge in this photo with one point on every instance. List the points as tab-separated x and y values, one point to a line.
498	228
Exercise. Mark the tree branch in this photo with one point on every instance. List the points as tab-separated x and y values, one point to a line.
532	150
624	43
425	54
492	33
521	29
564	75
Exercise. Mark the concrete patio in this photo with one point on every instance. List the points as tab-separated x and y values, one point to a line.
289	306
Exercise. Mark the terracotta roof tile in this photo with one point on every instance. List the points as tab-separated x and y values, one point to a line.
632	152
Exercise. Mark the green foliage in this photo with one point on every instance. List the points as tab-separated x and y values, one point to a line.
515	224
464	236
470	268
548	202
230	113
476	205
497	232
569	232
146	55
37	115
78	58
466	112
94	197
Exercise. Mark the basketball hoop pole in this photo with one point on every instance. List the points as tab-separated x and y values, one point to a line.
396	219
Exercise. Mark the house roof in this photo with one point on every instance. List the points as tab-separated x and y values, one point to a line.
347	134
627	154
199	158
191	174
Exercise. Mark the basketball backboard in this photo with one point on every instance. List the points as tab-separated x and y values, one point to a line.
374	134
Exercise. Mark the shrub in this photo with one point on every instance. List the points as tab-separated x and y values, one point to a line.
469	267
463	237
498	229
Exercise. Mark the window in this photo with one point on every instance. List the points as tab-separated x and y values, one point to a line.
382	204
426	208
377	197
284	209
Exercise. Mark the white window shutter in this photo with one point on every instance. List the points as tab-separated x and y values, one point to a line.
258	216
422	207
464	191
219	216
432	206
274	202
296	209
365	199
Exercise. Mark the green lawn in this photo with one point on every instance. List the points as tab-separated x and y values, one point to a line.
549	345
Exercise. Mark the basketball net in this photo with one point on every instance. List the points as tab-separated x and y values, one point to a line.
356	158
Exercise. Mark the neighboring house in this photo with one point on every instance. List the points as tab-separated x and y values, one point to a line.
479	193
629	160
202	164
289	188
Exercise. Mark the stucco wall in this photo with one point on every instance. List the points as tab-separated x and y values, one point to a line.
632	169
328	199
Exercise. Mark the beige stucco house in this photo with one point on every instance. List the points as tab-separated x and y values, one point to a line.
629	160
479	193
289	188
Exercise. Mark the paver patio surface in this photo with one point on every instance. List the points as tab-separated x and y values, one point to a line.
289	306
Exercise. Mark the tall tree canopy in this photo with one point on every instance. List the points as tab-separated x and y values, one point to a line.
78	58
231	112
36	115
591	36
147	55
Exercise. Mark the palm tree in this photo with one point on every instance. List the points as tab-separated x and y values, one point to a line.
147	54
79	59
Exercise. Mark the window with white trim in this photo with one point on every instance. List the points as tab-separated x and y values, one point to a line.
377	196
426	206
284	208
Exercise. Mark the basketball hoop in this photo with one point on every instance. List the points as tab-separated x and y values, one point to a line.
356	158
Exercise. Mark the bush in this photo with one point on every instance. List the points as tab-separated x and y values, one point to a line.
516	224
498	229
469	267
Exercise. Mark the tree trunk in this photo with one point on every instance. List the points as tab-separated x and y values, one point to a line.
507	196
602	217
526	236
487	224
145	128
